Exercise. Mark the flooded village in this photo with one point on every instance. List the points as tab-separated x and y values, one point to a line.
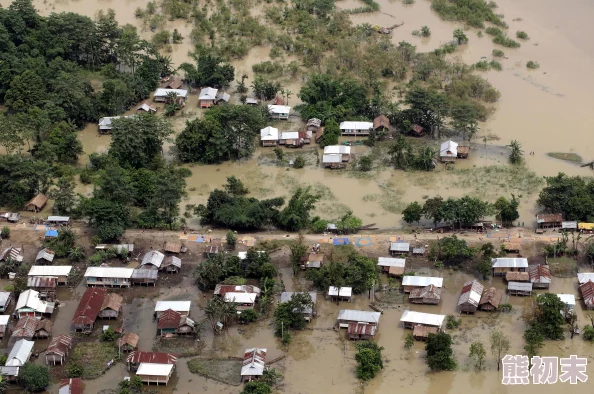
198	307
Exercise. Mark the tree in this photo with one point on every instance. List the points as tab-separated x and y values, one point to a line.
256	387
299	162
516	154
298	250
290	315
63	195
348	223
460	37
465	119
440	356
219	311
428	108
296	215
331	134
452	250
365	163
409	341
499	345
369	359
432	209
485	267
210	70
231	239
507	211
478	353
34	377
235	187
412	213
571	196
549	321
5	232
534	341
280	154
399	153
164	204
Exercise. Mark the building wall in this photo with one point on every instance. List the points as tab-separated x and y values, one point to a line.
108	282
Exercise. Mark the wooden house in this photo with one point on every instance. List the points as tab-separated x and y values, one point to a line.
308	311
88	309
71	386
355	128
269	136
343	151
155	373
111	307
109	276
251	101
540	276
146	107
517	276
333	161
512	247
470	296
136	358
340	294
253	364
425	295
172	323
182	307
207	97
381	123
502	265
222	98
490	299
387	263
45	256
162	95
4	321
399	248
58	350
30	304
313	125
60	273
171	265
361	331
242	300
417	130
152	260
587	291
421	333
174	83
463	151
172	247
30	328
347	316
37	203
519	288
144	276
448	152
549	220
279	111
5	300
129	342
411	319
411	282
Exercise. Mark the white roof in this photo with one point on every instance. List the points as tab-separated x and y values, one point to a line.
342	292
154	257
58	218
584	277
45	254
570	225
278	109
400	246
359	316
242	255
20	353
109	272
4	320
269	134
337	149
241	298
254	361
163	92
568	299
289	135
449	146
154	369
4	297
147	108
391	262
519	286
510	262
422	281
208	94
473	293
356	125
332	159
118	247
428	319
30	299
178	306
50	270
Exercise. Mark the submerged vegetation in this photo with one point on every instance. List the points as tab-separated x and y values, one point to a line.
474	12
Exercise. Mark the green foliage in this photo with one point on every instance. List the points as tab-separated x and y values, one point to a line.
588	333
460	37
234	280
484	267
210	70
498	53
412	212
299	162
231	239
365	163
570	196
265	89
548	320
5	233
256	387
235	187
404	157
74	370
440	356
505	41
534	340
500	345
506	307
331	134
522	35
248	316
516	155
215	269
369	359
161	38
494	31
473	12
453	251
409	341
34	377
108	335
22	179
296	215
289	315
507	211
280	154
217	310
319	226
358	271
63	243
452	322
495	65
63	195
267	67
348	223
478	354
532	65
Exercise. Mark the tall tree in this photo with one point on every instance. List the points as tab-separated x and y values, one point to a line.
440	356
499	345
296	215
63	195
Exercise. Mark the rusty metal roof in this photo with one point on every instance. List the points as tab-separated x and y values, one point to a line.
491	296
130	338
471	293
89	306
151	357
15	254
41	281
549	218
587	290
74	386
430	291
362	329
60	345
169	319
253	362
112	301
539	273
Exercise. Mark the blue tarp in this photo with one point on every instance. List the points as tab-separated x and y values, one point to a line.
341	241
51	233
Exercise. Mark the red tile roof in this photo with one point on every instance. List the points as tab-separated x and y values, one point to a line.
89	306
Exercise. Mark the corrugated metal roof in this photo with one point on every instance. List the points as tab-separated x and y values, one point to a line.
178	306
145	273
289	135
409	280
172	260
448	149
58	219
471	293
118	247
569	225
154	257
520	286
342	292
208	94
151	357
426	292
359	316
428	319
337	149
89	306
362	329
46	254
491	296
269	134
30	299
349	125
50	270
12	253
585	277
399	246
221	289
20	353
254	361
60	345
278	109
4	297
169	319
109	272
509	262
539	273
72	385
332	158
164	92
568	299
587	290
240	298
10	371
42	281
152	369
391	262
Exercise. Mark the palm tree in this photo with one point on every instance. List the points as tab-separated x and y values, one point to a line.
288	93
76	254
516	154
426	158
398	152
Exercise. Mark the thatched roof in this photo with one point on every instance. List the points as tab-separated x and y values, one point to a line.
491	296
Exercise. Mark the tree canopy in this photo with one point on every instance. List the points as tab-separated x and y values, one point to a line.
572	196
440	356
358	271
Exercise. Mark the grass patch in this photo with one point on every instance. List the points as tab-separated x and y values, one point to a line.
522	35
505	41
498	53
563	266
93	357
474	12
272	244
572	157
391	199
224	371
532	65
183	347
485	180
494	31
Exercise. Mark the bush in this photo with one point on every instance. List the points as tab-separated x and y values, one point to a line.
483	65
532	65
506	307
256	387
522	35
588	333
409	341
369	359
495	65
34	377
86	176
74	370
506	42
498	53
365	163
319	226
5	233
494	31
108	335
248	316
299	162
161	38
452	322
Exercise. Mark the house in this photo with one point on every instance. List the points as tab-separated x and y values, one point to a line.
45	285
144	276
425	295
129	342
569	225
361	331
111	307
313	260
105	124
12	253
146	107
314	125
519	288
222	98
548	220
109	276
568	300
172	323
419	251
60	273
174	83
37	203
124	249
346	316
269	136
155	373
411	282
222	289
88	309
251	101
421	333
517	276
182	307
502	265
254	361
470	296
309	311
58	349
333	161
292	139
355	128
387	263
171	265
585	277
10	374
211	250
463	151
172	247
29	304
399	248
243	300
71	386
586	228
136	358
343	150
340	294
5	300
45	256
381	123
11	217
207	97
417	130
162	95
58	220
31	328
587	291
4	320
20	353
411	319
152	260
512	247
490	299
448	151
279	111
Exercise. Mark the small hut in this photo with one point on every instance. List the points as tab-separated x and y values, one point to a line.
155	373
254	361
4	320
448	152
490	299
411	282
37	203
129	342
399	248
463	151
58	349
387	263
112	306
519	288
421	333
144	276
470	296
172	247
314	125
340	294
361	331
211	250
517	276
153	260
540	276
425	295
381	123
549	220
411	319
172	323
45	256
171	265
